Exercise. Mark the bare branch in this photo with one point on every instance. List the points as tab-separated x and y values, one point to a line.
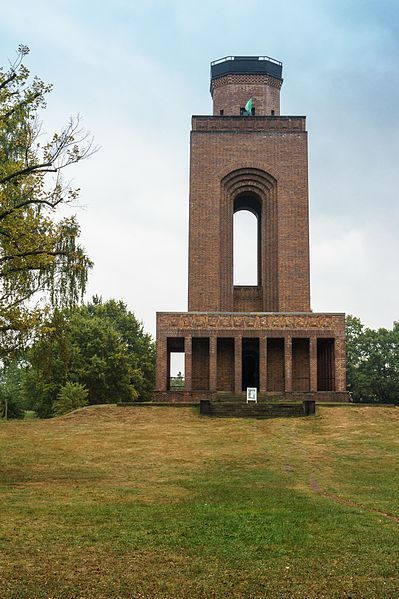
25	171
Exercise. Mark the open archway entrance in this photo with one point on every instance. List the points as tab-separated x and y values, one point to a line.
250	363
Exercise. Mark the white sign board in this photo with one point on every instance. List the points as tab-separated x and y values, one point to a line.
252	394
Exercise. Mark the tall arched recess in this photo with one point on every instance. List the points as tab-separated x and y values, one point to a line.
255	190
250	208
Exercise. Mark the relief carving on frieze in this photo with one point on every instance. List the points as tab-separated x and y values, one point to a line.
250	321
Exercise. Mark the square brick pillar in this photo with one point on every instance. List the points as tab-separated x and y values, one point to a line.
162	362
213	363
188	362
288	362
313	363
238	364
262	364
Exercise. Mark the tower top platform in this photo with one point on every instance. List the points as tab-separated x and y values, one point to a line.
246	65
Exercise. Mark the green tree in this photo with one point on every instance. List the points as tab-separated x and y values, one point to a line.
101	346
12	394
354	331
70	397
372	362
41	261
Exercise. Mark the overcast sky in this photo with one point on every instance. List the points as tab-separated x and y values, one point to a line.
137	70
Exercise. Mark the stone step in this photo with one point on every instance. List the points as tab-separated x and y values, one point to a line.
251	410
262	397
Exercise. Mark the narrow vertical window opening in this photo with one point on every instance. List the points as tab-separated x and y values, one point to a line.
245	236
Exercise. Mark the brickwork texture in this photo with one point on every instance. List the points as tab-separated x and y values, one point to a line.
263	335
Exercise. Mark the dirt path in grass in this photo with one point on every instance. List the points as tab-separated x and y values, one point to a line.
316	488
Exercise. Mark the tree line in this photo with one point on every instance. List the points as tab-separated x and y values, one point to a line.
92	354
372	358
99	353
55	353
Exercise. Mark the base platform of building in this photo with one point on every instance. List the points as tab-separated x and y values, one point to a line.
238	409
194	397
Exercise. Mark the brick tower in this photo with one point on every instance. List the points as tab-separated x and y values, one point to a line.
263	335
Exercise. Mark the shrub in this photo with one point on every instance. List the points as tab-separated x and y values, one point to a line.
70	397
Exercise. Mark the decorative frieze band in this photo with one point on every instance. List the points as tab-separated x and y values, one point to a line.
206	321
246	78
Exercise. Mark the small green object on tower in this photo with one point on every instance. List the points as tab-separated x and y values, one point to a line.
248	107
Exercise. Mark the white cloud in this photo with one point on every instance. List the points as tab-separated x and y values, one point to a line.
355	270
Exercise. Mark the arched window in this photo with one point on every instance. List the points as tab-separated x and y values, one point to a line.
246	241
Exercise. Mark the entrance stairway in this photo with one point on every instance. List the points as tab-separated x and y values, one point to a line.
268	406
269	397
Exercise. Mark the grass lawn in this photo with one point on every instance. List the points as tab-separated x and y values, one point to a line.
155	502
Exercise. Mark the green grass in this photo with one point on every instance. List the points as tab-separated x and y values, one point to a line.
155	502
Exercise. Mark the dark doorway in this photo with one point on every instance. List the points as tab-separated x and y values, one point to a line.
325	365
250	363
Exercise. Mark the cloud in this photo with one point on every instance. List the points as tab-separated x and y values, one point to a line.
137	71
355	270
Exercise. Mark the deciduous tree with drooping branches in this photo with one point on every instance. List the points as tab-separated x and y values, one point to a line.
41	261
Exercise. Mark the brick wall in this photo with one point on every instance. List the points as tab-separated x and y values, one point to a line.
247	299
200	366
280	157
232	92
225	364
275	365
300	365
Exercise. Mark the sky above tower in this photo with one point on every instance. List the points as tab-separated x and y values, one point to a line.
137	71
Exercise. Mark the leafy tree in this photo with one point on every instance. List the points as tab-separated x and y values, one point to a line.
354	331
41	261
12	395
372	362
101	346
70	397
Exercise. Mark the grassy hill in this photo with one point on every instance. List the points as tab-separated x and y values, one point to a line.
158	502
